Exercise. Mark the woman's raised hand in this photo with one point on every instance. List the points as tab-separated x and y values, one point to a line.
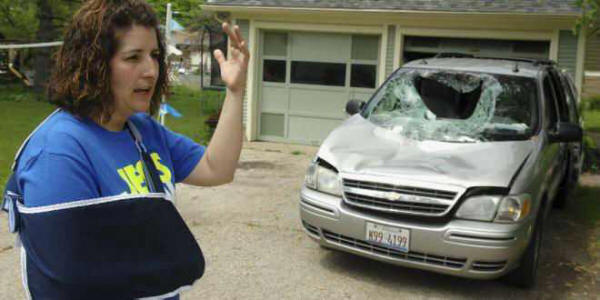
235	67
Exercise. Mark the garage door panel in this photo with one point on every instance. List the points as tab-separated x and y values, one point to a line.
362	96
274	98
311	130
318	101
272	124
320	46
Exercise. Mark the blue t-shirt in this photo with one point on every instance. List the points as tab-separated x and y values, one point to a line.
71	158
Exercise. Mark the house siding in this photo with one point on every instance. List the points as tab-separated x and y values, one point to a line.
567	51
592	55
245	30
591	87
389	58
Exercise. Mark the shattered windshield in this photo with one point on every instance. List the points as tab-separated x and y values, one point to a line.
456	106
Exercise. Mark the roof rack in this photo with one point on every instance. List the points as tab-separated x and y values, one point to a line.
533	61
453	55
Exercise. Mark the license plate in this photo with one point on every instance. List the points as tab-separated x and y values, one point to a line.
392	237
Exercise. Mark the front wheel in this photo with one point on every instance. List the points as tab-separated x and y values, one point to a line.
525	275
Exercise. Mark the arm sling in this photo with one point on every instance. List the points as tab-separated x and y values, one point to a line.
117	247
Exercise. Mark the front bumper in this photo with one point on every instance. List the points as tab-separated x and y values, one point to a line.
480	250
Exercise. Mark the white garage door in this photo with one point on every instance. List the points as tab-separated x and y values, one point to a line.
307	78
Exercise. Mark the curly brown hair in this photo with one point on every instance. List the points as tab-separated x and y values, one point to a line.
80	80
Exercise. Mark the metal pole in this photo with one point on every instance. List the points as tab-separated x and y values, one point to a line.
167	42
168	25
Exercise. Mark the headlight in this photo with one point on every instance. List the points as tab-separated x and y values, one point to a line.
310	179
514	208
501	209
323	179
479	208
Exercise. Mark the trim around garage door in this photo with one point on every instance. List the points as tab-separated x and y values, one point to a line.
255	28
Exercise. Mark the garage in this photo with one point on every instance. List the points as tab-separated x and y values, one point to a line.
418	47
306	78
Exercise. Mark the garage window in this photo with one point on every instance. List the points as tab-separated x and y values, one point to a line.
332	74
274	57
274	70
363	69
363	76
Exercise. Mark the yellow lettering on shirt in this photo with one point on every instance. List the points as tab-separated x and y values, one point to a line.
126	179
164	170
135	178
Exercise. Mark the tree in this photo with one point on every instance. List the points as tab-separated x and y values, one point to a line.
44	21
38	20
18	20
590	18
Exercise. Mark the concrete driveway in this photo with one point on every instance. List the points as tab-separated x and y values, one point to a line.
255	247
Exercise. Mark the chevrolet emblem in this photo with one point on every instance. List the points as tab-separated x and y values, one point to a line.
392	196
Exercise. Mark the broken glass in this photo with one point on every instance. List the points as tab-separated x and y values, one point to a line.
456	106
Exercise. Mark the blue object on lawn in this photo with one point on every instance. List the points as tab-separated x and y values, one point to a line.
168	109
175	26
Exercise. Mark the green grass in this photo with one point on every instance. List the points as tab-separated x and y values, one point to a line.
10	92
592	120
195	106
20	114
586	207
586	210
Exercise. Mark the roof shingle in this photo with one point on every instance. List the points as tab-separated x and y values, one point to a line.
507	6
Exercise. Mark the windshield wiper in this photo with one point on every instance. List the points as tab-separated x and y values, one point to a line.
505	135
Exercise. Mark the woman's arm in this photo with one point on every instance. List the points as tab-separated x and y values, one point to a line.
219	162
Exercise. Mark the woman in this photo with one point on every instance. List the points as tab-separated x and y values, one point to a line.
92	189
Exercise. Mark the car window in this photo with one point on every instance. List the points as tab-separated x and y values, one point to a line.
561	96
550	102
571	93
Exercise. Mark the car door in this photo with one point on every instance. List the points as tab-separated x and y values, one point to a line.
575	149
555	153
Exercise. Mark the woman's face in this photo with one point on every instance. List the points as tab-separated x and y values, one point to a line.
134	70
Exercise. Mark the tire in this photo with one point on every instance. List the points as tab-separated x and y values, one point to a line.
525	275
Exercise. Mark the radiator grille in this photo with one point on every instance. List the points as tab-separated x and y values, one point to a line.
426	202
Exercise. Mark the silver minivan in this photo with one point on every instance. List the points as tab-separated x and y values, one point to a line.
451	167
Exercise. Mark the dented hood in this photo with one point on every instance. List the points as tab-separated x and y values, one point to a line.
360	147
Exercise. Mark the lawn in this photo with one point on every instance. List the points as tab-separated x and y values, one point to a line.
196	106
20	114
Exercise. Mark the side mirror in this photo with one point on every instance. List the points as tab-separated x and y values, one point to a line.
354	106
566	133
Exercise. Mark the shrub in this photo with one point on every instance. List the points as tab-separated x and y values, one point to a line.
591	103
591	162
